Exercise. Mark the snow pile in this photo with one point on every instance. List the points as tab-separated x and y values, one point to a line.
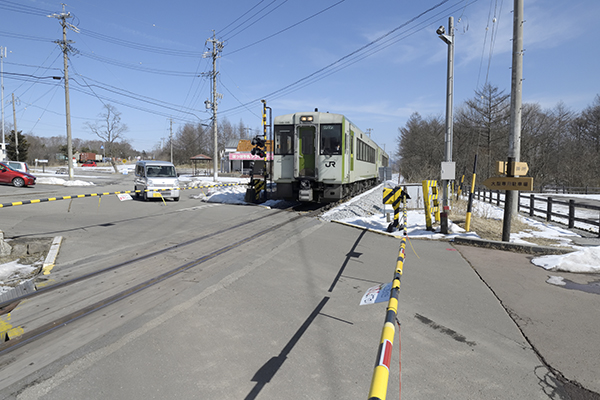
585	260
60	181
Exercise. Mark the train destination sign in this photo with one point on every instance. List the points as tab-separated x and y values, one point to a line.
523	183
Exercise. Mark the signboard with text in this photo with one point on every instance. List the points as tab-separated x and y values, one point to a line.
509	183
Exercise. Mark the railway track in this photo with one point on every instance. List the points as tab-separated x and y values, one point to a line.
53	307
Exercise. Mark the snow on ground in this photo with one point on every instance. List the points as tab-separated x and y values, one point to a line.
366	211
12	273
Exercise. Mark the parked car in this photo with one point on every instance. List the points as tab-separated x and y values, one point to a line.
89	163
18	166
17	178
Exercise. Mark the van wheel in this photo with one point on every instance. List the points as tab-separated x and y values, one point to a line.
145	196
176	198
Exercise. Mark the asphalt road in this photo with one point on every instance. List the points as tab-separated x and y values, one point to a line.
279	318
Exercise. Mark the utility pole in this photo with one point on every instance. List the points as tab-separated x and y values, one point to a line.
217	48
2	56
15	123
65	45
171	139
448	167
514	141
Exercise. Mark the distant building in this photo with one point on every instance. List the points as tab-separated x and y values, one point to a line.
241	158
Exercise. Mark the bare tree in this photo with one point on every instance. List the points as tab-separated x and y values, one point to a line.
110	129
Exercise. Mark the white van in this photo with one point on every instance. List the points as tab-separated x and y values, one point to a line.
156	179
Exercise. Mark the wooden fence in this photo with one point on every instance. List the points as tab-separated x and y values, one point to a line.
544	206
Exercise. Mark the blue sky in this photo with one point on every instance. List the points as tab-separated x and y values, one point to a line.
145	58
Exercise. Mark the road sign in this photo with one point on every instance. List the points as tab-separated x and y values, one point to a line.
519	168
523	183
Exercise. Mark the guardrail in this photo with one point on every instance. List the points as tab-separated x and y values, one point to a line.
80	196
568	212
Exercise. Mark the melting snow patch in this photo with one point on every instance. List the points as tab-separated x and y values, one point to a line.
585	260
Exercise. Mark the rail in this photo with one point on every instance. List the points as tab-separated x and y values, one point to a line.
563	212
38	330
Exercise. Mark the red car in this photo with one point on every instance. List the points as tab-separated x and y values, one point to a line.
17	178
89	163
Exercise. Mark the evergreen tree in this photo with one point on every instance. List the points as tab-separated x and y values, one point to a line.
23	147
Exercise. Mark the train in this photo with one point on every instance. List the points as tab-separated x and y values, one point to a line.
323	157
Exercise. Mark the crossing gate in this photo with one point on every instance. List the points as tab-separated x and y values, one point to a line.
430	198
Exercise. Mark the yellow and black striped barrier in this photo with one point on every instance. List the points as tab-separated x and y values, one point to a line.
254	190
80	196
394	197
381	374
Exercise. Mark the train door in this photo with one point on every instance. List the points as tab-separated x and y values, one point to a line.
306	151
351	150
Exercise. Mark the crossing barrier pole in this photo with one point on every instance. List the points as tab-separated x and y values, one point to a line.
381	373
470	203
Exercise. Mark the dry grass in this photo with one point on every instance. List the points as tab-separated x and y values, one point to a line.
491	229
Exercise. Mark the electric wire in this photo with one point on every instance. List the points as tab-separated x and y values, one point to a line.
493	38
285	29
18	7
224	34
297	84
242	16
281	4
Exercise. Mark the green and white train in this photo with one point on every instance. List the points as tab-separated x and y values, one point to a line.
322	157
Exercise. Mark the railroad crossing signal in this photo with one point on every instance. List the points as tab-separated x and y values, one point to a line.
518	168
523	183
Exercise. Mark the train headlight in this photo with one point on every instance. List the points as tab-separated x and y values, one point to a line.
306	118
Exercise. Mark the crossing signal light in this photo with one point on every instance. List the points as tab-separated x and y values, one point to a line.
258	141
258	152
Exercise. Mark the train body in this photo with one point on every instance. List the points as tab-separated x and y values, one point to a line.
322	157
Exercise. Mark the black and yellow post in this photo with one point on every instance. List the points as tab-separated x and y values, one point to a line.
394	197
381	373
258	186
470	203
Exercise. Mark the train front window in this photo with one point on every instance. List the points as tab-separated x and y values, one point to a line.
284	139
331	139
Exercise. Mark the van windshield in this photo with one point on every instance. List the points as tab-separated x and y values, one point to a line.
161	171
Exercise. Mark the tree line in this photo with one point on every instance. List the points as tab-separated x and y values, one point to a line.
561	147
188	141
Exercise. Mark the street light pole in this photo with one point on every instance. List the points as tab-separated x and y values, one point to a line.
447	169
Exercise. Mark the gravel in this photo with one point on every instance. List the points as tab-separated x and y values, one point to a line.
363	205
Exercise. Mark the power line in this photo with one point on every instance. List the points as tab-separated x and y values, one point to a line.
136	67
294	86
243	15
140	46
223	34
17	7
286	29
